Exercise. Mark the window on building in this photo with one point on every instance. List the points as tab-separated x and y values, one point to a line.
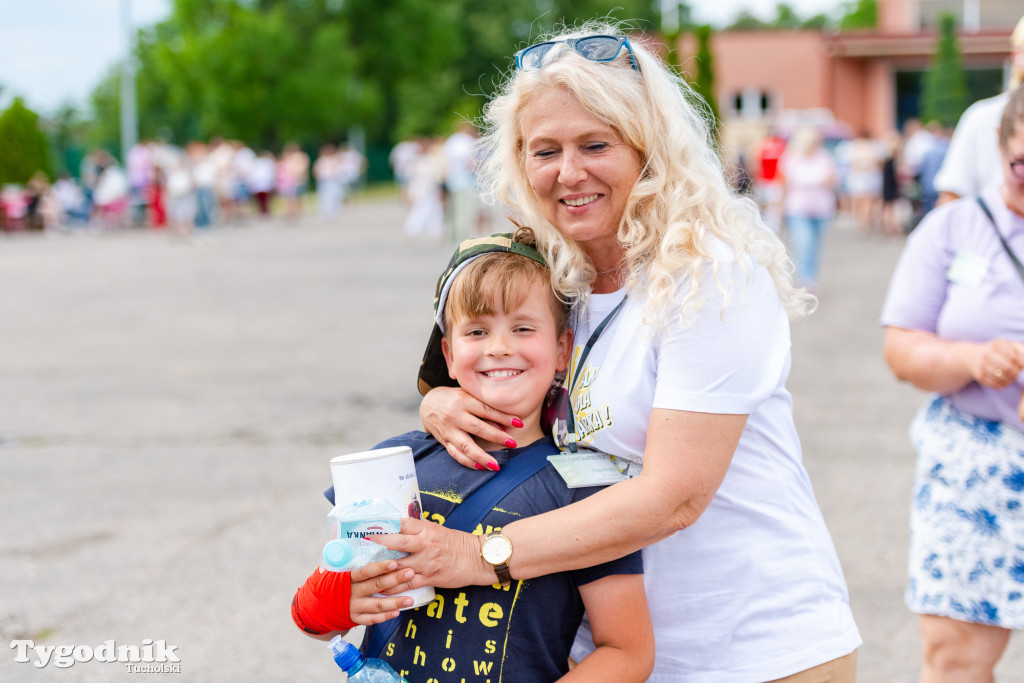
753	103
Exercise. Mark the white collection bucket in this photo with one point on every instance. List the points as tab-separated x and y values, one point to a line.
388	473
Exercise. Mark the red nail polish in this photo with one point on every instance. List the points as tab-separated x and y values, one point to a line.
517	423
509	443
493	466
479	466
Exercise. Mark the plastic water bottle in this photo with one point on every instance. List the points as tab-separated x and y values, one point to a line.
349	525
361	669
346	554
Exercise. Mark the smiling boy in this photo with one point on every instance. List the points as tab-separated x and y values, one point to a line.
502	335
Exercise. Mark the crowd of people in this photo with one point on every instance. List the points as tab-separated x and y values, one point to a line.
182	189
438	181
190	188
803	180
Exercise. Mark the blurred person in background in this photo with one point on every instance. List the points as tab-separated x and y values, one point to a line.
972	162
221	154
262	180
241	169
353	166
139	166
111	194
71	200
769	184
893	206
14	203
929	167
864	180
401	159
37	193
327	172
809	178
460	182
292	178
204	180
181	201
955	326
917	140
425	190
89	171
49	209
158	199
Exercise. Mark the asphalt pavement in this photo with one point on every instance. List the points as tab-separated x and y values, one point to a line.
168	409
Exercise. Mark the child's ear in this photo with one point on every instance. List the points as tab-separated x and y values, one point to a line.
448	358
564	350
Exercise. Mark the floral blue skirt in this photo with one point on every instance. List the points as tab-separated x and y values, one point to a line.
967	518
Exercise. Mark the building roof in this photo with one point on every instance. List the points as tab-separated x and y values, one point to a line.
878	44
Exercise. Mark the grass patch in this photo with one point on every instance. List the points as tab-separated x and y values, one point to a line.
376	191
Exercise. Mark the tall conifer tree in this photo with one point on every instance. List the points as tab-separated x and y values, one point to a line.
944	91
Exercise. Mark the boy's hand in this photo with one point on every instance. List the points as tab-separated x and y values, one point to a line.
337	601
377	577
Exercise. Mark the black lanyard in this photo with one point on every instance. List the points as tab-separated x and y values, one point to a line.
1009	252
570	422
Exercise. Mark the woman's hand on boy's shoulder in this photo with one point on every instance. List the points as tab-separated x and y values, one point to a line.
453	417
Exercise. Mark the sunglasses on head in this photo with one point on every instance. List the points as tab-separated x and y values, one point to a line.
594	48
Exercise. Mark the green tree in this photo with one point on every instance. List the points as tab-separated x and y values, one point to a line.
267	71
786	17
24	144
817	22
944	87
67	134
745	21
859	14
704	82
231	68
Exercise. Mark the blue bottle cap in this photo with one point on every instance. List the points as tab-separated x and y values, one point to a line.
346	655
338	553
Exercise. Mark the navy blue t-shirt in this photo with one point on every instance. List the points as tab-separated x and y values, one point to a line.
519	634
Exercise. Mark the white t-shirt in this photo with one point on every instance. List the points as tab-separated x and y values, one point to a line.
973	162
753	591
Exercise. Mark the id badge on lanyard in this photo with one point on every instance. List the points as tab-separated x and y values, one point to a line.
587	467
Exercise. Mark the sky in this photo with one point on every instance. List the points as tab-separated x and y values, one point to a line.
56	51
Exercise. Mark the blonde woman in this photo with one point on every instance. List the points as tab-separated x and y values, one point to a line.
681	300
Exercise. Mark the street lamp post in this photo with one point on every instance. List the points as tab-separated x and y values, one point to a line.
129	118
972	16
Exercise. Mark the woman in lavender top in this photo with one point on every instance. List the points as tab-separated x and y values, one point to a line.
954	320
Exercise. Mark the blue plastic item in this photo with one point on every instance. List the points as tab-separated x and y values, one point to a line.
361	669
349	525
346	554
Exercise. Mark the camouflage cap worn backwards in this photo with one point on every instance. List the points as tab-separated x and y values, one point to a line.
433	368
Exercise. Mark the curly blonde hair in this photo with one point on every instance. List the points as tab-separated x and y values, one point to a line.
680	204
